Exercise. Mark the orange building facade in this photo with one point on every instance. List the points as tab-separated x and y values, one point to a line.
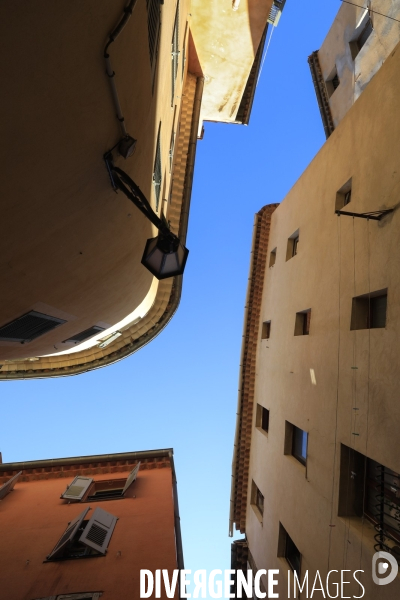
82	528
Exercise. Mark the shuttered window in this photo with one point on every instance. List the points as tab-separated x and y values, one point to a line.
68	535
131	478
175	53
85	537
77	489
157	177
99	530
9	485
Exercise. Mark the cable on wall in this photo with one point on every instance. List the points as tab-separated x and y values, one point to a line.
370	10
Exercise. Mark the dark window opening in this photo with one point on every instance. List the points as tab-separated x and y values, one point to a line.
343	196
292	245
371	490
369	311
266	330
29	327
287	549
333	82
302	322
153	26
292	554
299	444
257	499
262	418
364	35
272	258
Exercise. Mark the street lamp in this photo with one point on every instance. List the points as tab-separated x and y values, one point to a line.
164	256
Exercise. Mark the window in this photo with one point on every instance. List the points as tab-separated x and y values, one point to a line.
175	52
333	82
262	418
371	490
369	311
296	442
302	322
257	499
184	51
266	330
343	196
153	27
172	144
84	489
8	486
85	537
84	335
157	176
288	549
365	33
28	327
293	245
272	257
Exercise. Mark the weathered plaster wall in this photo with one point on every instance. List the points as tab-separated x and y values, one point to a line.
33	518
355	74
337	259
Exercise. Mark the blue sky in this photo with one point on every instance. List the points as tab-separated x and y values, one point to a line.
180	391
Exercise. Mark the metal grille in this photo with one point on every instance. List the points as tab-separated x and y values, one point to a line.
175	53
97	534
153	25
29	327
157	177
85	335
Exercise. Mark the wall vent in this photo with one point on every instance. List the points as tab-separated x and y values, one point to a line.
28	327
84	335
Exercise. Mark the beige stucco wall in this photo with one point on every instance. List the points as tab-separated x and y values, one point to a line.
338	258
354	75
73	246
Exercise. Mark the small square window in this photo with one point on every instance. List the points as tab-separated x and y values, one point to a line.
266	330
292	245
343	196
262	418
287	549
333	82
257	499
302	322
369	311
272	257
296	441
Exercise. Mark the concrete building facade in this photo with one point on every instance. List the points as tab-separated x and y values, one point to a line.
316	468
81	528
75	295
361	38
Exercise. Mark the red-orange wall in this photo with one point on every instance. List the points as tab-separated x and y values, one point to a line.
33	517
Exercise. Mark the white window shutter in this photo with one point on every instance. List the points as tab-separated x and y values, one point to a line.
77	489
68	534
8	485
131	478
99	530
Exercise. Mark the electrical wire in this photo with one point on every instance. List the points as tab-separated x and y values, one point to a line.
265	54
370	9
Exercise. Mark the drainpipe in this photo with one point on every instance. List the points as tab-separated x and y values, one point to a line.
236	442
177	521
111	74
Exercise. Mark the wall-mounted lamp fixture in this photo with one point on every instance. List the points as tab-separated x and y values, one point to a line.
164	256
